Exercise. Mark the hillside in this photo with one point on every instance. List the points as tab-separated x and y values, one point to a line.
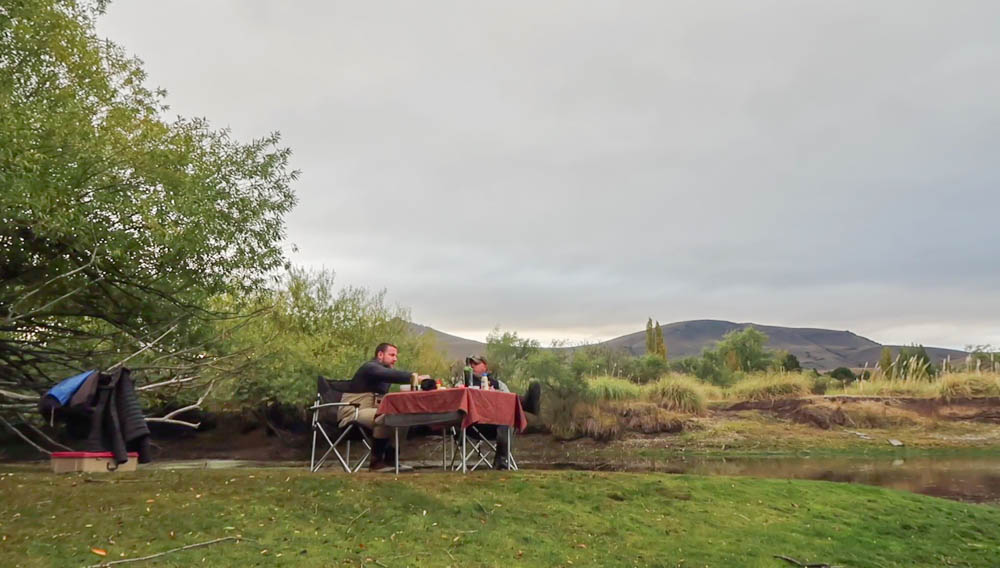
822	349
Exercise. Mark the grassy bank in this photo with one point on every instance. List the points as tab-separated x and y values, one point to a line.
291	517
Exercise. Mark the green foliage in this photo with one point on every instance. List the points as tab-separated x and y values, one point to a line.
661	347
914	363
311	328
787	362
597	360
506	351
650	337
822	384
843	374
739	352
885	363
114	222
647	368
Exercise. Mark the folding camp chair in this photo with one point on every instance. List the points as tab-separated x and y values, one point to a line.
326	423
480	447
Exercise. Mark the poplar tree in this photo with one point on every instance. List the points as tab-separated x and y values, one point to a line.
661	347
885	362
650	338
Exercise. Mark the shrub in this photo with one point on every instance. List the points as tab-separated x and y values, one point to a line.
821	384
843	374
967	385
680	393
770	387
612	388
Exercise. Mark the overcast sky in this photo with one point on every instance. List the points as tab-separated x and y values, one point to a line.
568	169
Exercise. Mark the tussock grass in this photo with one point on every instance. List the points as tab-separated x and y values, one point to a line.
612	389
873	414
968	385
611	420
679	393
889	387
771	386
648	418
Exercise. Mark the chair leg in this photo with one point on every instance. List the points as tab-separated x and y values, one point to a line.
312	457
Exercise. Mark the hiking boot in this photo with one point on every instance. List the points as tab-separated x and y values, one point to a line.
379	466
389	460
532	402
500	463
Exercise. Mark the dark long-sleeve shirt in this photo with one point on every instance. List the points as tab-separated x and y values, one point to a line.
376	377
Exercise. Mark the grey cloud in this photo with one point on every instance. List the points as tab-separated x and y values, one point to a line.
574	167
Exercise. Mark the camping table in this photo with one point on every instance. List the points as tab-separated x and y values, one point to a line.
462	407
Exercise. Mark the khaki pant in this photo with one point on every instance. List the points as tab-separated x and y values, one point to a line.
368	402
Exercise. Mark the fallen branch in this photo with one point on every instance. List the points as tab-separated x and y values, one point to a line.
164	553
359	516
23	437
795	562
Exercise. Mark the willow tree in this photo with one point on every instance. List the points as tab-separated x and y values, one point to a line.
117	224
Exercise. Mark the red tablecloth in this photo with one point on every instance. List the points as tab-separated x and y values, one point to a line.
479	406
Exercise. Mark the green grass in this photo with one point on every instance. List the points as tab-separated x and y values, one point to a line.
613	389
293	518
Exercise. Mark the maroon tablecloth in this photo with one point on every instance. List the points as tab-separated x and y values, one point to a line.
479	406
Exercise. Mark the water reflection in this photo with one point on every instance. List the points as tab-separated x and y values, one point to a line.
975	480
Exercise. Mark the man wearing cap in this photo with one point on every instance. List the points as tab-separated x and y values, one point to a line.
529	403
370	383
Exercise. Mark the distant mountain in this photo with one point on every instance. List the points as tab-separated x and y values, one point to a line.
456	347
822	349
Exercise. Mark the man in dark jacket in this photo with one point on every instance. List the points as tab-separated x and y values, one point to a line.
530	403
370	383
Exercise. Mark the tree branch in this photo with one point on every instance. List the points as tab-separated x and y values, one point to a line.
42	434
23	437
158	554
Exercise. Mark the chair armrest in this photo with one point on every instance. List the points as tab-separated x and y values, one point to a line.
334	404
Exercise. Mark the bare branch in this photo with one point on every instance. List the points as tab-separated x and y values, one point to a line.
10	310
168	418
42	434
165	552
173	381
148	345
18	396
192	425
23	437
